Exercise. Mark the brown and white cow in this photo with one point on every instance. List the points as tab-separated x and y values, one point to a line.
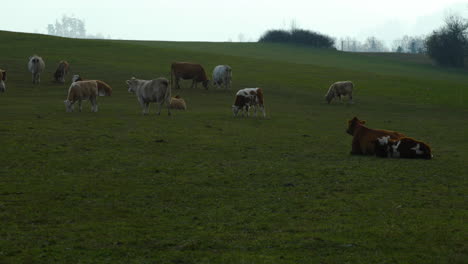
364	138
61	72
86	90
3	77
405	147
247	97
188	71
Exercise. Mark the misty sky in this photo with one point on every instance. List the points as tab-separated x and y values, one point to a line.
210	20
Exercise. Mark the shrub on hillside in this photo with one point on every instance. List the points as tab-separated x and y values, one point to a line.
298	36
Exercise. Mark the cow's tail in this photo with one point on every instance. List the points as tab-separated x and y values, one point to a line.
103	88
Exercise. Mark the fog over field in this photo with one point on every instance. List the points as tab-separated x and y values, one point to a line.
242	20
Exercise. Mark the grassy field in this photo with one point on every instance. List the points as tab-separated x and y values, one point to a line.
202	186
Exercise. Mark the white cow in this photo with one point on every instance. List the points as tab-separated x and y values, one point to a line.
147	91
3	75
36	65
222	75
86	90
339	89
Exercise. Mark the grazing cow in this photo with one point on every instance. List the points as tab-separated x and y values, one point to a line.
222	75
247	97
364	139
86	90
147	91
36	65
188	71
338	89
178	103
3	77
62	70
405	147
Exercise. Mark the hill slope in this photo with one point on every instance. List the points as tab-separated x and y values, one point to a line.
204	187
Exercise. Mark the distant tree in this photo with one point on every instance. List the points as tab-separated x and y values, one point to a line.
448	46
70	27
409	44
372	44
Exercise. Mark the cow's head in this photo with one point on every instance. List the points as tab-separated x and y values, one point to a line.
206	83
329	96
132	85
76	78
235	109
353	124
422	151
68	106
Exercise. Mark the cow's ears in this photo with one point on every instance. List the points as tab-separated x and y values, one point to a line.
127	81
362	121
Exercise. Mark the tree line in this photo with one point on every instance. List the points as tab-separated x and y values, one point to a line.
446	46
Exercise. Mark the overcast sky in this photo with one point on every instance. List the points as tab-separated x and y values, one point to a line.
210	20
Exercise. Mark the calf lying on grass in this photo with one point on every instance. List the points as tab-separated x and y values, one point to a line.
178	103
402	148
86	90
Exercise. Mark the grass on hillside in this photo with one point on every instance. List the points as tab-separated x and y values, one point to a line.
202	186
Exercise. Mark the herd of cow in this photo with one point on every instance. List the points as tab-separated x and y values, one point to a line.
366	141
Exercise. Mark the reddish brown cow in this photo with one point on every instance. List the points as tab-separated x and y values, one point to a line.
188	71
61	72
364	138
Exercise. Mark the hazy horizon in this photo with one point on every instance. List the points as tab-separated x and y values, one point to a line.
208	20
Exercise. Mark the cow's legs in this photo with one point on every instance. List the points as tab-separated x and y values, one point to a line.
177	83
143	105
94	106
159	107
79	104
146	111
351	98
263	110
356	148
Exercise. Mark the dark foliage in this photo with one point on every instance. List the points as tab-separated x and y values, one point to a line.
298	36
448	46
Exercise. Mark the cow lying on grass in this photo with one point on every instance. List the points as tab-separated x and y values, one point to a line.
86	90
339	89
147	91
364	138
36	65
402	148
247	97
3	75
178	103
61	72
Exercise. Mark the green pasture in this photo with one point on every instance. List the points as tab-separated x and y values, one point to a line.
201	186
